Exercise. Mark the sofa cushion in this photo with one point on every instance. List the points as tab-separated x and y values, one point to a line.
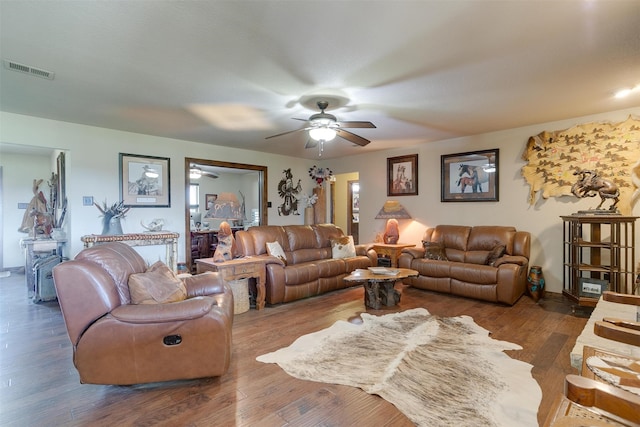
157	285
343	247
495	253
274	249
434	250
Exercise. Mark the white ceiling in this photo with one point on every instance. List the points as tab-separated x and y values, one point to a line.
420	70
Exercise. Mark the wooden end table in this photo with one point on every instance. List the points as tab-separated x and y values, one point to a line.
237	269
392	251
379	288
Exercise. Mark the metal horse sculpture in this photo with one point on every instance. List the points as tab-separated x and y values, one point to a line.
591	184
476	174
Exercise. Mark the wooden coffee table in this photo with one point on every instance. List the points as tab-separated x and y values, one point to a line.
379	288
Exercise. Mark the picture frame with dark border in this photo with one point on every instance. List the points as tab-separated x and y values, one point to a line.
470	176
145	181
402	175
208	201
592	288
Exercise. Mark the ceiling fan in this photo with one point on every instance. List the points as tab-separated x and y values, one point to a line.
324	127
196	172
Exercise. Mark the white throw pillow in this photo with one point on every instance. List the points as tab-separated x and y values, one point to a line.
343	247
274	249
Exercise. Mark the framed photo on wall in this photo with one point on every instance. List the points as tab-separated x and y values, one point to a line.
209	201
402	175
470	177
144	181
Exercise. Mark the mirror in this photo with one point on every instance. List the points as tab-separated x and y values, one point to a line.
19	166
220	191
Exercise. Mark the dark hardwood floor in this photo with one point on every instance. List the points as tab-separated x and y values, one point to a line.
40	387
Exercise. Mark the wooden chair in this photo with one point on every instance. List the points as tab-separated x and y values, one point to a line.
621	330
589	402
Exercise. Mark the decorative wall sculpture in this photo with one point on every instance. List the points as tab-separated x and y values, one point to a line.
613	149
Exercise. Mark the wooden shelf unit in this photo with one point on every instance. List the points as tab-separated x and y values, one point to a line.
599	247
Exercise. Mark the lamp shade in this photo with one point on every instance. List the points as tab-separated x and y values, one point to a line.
322	133
393	209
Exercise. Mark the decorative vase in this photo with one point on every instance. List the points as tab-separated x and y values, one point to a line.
111	227
535	283
309	215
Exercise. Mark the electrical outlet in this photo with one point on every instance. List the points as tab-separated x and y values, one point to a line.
87	200
23	205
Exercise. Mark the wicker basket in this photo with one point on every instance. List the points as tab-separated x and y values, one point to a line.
240	289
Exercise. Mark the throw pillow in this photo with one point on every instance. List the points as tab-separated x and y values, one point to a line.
274	249
434	250
343	247
157	285
495	253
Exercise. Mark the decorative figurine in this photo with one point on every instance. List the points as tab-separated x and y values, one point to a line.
591	184
226	249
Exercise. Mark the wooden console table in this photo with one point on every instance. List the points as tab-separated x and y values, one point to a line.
237	269
167	238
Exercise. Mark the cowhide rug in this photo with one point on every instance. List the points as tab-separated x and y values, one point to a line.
437	371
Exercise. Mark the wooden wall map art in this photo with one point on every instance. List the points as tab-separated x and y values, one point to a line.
611	149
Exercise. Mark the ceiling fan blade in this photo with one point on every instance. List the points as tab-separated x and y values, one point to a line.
356	125
285	133
302	120
210	174
311	143
352	137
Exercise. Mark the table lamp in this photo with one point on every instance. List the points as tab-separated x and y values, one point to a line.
392	211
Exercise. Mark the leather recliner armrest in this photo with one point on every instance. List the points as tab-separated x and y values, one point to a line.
203	284
414	252
191	308
511	259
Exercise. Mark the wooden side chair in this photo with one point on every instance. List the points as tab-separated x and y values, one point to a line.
589	402
621	330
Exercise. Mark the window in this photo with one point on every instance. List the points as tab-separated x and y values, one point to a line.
194	198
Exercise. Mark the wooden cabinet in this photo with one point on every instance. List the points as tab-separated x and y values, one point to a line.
598	255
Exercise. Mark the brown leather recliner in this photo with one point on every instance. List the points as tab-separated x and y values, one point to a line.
116	342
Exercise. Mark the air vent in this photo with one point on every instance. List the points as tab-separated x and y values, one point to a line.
21	68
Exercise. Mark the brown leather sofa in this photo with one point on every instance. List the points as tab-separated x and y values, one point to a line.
309	268
116	342
465	272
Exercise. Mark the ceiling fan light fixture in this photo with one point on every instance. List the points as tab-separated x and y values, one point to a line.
195	172
322	134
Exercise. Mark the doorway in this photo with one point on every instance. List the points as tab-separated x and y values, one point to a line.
353	210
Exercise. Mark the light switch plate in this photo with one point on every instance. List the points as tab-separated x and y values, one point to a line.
87	200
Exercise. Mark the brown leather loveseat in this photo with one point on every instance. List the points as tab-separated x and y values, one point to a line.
117	342
308	267
483	262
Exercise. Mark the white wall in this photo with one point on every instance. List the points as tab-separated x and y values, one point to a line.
92	170
542	220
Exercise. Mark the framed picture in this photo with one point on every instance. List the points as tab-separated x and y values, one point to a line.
144	181
470	177
209	200
402	175
592	288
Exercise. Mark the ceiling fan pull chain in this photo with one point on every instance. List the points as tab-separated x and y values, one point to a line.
321	149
